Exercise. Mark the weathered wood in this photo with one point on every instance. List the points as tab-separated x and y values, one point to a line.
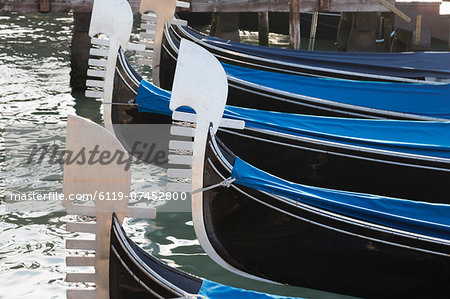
227	26
363	34
294	24
387	29
250	6
212	5
431	18
395	10
312	34
418	29
55	5
263	28
81	43
344	29
44	5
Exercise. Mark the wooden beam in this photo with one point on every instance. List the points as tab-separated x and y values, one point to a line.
44	5
26	6
294	24
213	5
263	28
395	10
249	6
418	29
312	34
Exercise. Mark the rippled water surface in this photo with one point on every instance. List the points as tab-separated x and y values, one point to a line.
35	93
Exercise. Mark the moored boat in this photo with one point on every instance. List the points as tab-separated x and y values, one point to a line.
360	244
392	158
267	90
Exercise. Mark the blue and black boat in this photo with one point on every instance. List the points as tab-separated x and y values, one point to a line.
389	67
293	93
391	158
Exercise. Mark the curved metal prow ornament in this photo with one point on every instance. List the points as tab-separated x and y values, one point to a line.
155	15
200	83
101	183
112	22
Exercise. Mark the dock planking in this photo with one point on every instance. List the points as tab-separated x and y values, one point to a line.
211	5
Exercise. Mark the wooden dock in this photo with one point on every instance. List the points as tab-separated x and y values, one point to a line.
208	5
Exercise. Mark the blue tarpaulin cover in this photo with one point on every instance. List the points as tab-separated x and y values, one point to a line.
405	137
215	290
419	99
408	65
427	219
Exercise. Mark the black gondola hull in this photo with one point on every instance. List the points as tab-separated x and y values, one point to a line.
310	249
311	163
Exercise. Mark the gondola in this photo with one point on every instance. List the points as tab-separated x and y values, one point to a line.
345	99
265	90
134	273
388	67
345	242
327	152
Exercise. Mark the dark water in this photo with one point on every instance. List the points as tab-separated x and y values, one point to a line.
34	91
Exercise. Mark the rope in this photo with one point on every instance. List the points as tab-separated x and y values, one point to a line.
130	103
225	183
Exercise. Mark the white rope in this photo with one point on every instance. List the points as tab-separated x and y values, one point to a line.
225	183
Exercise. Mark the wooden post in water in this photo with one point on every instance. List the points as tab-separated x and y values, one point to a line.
343	34
263	28
225	25
44	5
81	43
312	34
363	34
418	30
294	24
387	30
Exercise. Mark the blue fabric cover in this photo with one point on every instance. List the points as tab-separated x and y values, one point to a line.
420	138
215	290
408	65
419	99
417	217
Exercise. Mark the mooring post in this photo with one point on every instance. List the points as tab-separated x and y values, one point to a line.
263	28
44	5
294	24
387	31
225	25
343	34
363	34
418	30
81	43
312	34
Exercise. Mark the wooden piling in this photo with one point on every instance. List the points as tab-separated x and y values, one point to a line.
263	28
343	34
363	34
312	34
225	25
387	31
418	30
44	5
294	24
81	43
